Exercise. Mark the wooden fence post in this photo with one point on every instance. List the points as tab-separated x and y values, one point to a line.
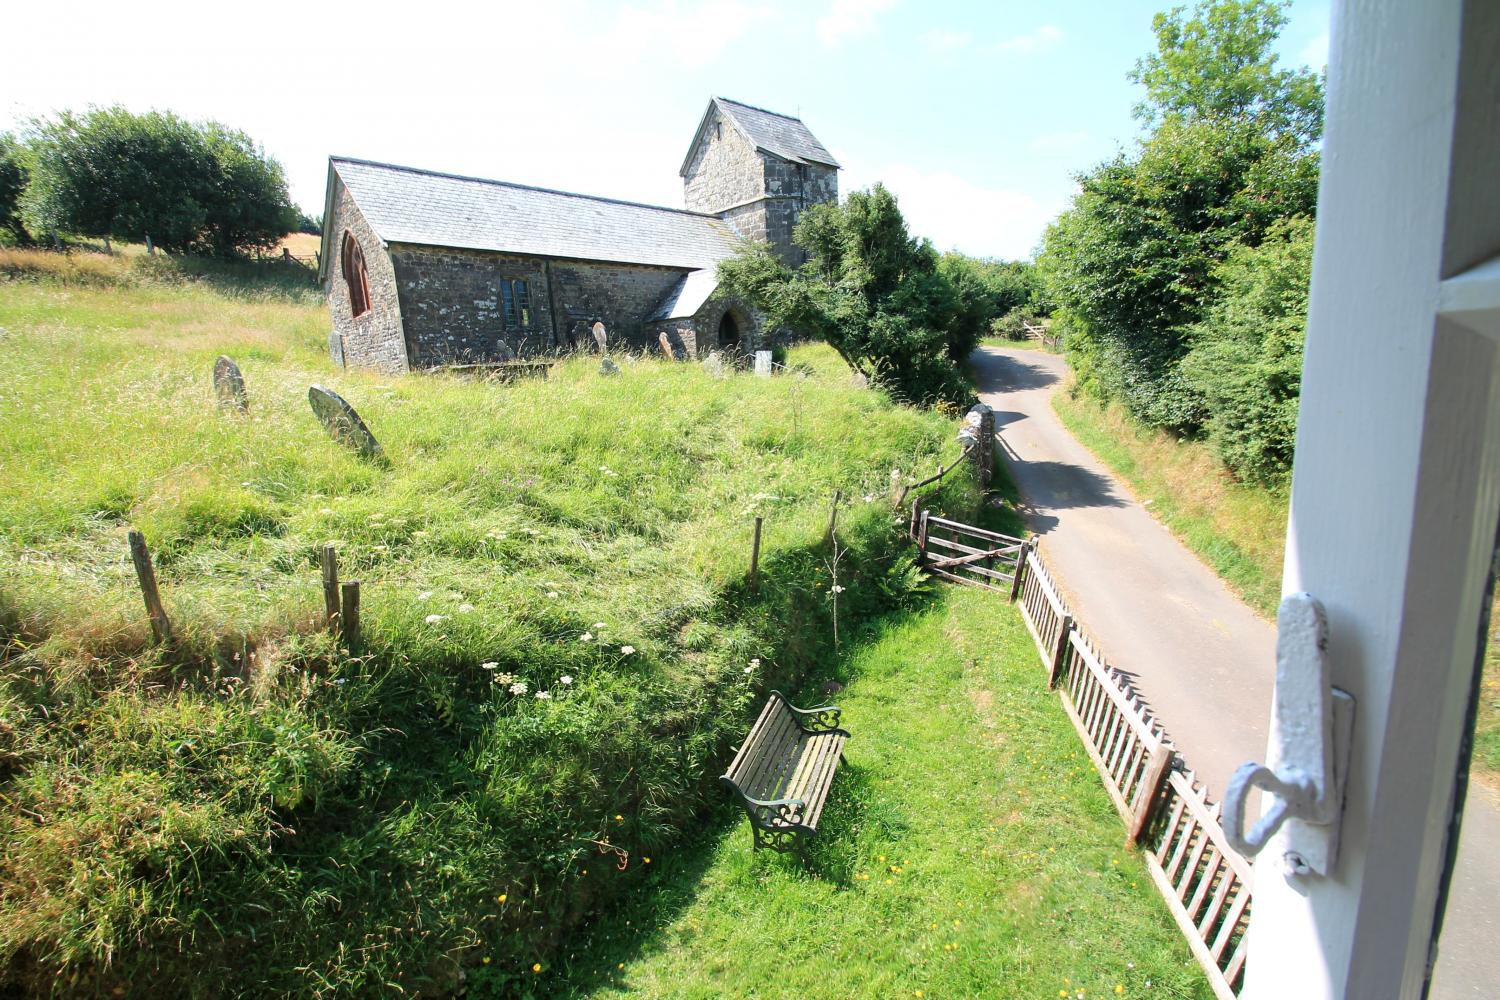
1061	652
833	515
349	613
1015	584
161	626
916	517
755	558
1148	795
922	539
330	564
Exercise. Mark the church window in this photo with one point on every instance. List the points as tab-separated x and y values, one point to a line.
352	262
515	298
718	130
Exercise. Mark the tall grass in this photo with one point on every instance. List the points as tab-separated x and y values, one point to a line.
258	811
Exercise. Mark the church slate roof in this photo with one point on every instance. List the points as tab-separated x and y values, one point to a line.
780	135
408	205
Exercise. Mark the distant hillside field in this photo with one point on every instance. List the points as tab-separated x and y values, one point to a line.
560	641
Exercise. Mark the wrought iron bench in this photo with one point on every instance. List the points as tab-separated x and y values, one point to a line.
784	769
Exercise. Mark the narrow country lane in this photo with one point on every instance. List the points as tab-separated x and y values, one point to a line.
1199	656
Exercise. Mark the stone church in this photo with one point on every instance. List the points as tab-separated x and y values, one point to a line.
423	269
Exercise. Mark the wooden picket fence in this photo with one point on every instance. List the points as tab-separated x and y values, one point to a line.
1205	883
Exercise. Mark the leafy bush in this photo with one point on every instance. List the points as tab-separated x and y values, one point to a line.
184	186
13	178
1132	263
1246	358
870	290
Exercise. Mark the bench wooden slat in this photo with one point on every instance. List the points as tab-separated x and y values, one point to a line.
786	759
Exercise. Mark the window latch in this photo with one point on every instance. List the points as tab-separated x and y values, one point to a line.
1311	735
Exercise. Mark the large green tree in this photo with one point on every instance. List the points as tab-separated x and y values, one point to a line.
13	177
1216	63
869	288
1133	263
113	174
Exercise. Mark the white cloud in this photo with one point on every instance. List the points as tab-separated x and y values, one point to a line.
1051	142
1036	41
847	18
946	39
959	214
1315	52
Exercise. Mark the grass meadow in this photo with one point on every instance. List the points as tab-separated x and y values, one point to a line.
559	647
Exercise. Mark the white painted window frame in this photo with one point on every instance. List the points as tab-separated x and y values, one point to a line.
1396	489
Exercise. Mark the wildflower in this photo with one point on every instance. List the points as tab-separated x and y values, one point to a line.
537	967
501	898
434	619
326	510
486	960
519	687
619	818
420	534
1119	988
869	498
646	861
424	595
620	966
552	594
488	665
598	625
544	695
749	669
586	637
565	680
465	609
837	589
627	650
505	678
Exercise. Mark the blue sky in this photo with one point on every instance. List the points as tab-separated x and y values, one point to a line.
976	114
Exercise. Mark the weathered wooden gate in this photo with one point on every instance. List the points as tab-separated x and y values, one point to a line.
965	554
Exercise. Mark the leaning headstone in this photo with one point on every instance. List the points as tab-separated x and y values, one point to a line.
600	337
859	380
666	345
714	364
763	364
229	386
336	348
608	367
503	351
342	422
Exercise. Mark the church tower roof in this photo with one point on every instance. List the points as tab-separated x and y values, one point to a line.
770	132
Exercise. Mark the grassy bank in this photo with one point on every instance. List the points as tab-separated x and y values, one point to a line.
257	811
968	851
1237	529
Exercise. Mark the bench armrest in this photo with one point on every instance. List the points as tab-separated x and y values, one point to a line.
816	720
780	812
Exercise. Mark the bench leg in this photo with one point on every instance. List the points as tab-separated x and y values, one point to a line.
780	839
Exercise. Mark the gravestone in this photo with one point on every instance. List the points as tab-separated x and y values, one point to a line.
504	352
763	364
600	337
859	380
336	348
714	364
342	422
608	367
229	386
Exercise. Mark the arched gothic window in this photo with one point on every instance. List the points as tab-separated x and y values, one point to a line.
352	260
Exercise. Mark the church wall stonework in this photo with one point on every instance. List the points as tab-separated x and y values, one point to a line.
373	340
451	303
619	295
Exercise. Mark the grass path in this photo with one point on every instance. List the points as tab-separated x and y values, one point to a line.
968	851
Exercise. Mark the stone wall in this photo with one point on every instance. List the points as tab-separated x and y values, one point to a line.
724	170
375	339
451	303
621	295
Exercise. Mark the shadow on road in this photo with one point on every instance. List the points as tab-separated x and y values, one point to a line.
1013	374
1062	486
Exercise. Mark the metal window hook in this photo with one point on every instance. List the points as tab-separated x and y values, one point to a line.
1311	734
